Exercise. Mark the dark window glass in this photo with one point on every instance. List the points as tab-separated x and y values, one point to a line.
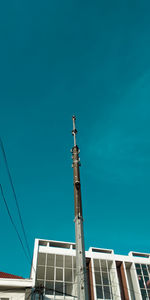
143	267
68	289
144	295
97	278
103	265
49	288
40	272
49	273
107	292
99	292
68	261
139	272
141	282
41	259
148	291
50	260
58	288
105	278
59	274
137	266
146	278
96	265
59	261
145	272
68	275
39	283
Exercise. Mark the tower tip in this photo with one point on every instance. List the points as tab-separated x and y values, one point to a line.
74	131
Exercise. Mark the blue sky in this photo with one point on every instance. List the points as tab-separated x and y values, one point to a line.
89	58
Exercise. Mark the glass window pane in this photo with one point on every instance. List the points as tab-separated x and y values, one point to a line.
41	259
137	266
148	291
39	283
68	261
49	288
58	288
49	273
96	265
103	265
68	289
59	261
144	295
146	278
141	282
50	259
143	266
40	272
139	272
68	275
59	274
99	292
105	278
145	272
109	264
107	292
98	278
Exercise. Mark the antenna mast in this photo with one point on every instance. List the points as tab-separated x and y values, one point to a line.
82	290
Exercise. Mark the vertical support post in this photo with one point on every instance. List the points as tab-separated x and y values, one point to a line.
82	290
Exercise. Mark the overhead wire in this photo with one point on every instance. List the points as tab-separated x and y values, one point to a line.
20	217
111	284
15	197
13	223
60	292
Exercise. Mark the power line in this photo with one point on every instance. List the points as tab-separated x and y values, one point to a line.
42	289
11	219
15	197
36	290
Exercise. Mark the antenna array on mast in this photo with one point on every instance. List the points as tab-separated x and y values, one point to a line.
82	291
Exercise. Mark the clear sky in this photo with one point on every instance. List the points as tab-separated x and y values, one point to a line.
90	58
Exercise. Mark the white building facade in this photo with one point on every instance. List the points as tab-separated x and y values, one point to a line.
110	276
15	288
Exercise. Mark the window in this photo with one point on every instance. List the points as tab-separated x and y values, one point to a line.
102	279
143	272
57	273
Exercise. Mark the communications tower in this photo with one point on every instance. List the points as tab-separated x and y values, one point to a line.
82	290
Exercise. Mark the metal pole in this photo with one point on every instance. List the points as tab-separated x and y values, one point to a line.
82	290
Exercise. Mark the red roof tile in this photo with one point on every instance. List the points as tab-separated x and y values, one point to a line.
7	275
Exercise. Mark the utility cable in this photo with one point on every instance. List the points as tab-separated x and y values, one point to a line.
41	290
15	197
11	219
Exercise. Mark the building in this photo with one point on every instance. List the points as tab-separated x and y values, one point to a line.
14	287
62	270
110	276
